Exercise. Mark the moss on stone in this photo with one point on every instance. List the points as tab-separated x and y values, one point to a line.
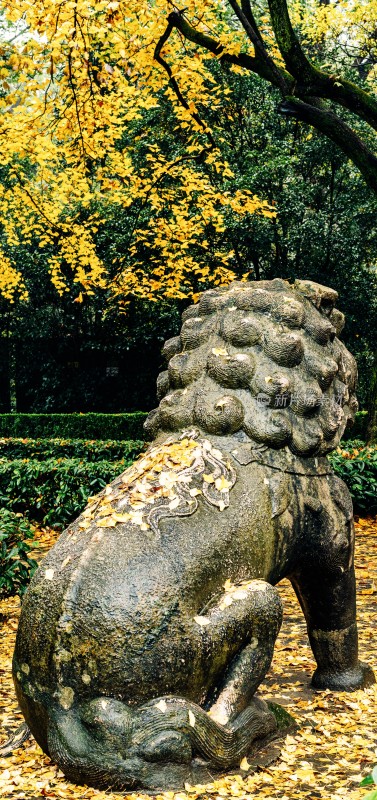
284	720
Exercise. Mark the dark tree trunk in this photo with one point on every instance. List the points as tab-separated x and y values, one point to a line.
371	433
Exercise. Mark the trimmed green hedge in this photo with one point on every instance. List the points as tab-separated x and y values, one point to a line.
73	426
90	450
54	491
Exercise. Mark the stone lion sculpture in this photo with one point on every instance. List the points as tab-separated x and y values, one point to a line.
150	624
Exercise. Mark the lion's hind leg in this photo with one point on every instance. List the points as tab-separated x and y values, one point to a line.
254	608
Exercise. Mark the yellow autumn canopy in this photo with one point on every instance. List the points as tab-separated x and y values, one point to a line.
75	76
81	73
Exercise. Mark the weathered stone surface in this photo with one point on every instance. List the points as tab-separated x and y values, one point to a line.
149	626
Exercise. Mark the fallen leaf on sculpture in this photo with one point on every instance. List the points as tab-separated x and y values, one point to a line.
49	574
161	477
107	522
174	503
222	485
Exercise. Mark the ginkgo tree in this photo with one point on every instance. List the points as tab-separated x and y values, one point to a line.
77	78
309	92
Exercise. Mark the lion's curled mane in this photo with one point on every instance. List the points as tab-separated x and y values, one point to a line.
263	358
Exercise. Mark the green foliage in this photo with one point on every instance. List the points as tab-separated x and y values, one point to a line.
370	780
73	426
16	566
90	450
356	464
54	491
51	479
359	427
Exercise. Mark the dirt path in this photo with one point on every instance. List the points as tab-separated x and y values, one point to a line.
334	746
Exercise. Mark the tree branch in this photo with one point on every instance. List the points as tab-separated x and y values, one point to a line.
52	224
323	119
303	86
249	25
350	96
310	79
251	63
288	43
247	10
173	83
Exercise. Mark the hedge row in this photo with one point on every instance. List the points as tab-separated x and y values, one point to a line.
90	450
98	426
73	426
54	491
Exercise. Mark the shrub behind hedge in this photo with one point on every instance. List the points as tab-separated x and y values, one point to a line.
54	491
16	566
358	429
73	426
356	464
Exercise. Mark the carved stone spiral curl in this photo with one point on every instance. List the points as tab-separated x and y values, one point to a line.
240	329
234	371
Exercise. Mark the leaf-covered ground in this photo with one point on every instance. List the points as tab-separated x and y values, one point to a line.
335	744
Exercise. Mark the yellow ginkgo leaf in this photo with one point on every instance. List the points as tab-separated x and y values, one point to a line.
107	522
174	503
222	484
